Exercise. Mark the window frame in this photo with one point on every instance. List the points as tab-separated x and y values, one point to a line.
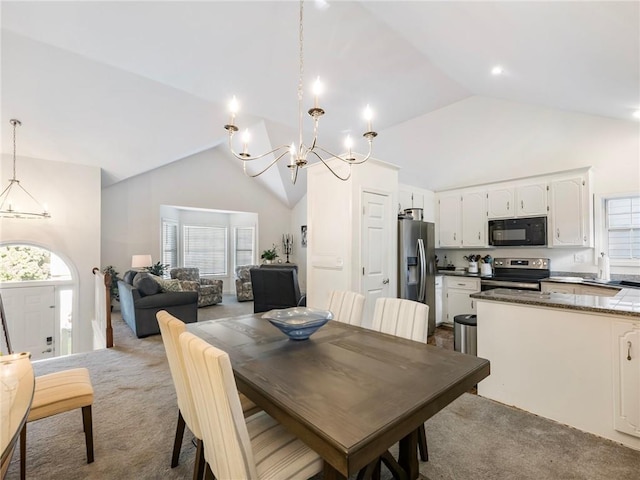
176	225
602	229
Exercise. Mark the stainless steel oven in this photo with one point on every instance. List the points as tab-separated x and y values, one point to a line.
517	274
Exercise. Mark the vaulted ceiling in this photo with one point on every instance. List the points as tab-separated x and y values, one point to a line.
131	86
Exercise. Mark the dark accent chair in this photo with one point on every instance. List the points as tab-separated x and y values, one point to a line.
139	310
275	288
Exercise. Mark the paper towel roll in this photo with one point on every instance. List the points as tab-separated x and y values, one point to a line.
604	269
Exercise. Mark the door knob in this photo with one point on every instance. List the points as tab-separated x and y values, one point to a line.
385	281
48	350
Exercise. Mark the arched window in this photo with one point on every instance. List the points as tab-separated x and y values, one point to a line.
23	263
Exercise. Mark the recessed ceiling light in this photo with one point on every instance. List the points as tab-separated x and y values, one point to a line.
497	70
636	114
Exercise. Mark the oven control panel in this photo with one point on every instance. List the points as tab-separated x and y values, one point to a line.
538	263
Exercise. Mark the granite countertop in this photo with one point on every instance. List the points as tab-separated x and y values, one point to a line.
625	303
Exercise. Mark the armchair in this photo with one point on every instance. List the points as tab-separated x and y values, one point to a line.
275	288
244	289
209	291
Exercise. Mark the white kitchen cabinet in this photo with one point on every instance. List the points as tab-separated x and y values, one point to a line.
501	202
409	199
439	289
456	296
528	200
571	212
474	219
450	220
626	378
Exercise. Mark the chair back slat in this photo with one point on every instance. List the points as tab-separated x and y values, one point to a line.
346	306
402	318
171	328
227	447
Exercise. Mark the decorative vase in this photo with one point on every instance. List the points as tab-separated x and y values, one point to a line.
268	262
473	267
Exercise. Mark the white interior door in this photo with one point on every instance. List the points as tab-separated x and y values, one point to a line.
31	320
375	251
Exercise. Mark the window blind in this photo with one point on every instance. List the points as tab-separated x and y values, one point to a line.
206	248
623	227
245	242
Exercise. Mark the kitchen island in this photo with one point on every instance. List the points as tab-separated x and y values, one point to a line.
571	358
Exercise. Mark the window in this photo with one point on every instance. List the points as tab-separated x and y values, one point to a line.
23	263
244	246
170	244
206	249
621	237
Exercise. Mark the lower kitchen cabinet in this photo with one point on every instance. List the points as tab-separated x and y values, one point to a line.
626	380
456	296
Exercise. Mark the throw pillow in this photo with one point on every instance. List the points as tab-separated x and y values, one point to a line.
168	285
145	284
129	276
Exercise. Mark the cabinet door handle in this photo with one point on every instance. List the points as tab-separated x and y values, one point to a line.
522	204
478	235
557	233
629	351
471	304
507	205
454	237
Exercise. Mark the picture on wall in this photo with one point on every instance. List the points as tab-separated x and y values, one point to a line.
303	236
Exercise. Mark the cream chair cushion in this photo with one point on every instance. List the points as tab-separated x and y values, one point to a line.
346	306
60	392
258	448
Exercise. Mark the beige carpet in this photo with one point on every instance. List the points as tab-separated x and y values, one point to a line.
135	413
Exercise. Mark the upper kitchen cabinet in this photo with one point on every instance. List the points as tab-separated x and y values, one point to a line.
528	200
450	220
571	211
474	219
462	219
416	197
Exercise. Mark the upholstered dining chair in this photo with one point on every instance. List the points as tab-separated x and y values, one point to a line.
234	447
406	319
170	329
55	393
346	306
60	392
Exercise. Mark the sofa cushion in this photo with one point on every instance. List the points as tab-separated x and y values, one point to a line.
129	276
145	284
167	299
167	285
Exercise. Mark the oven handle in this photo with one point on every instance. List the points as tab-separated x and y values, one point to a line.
521	285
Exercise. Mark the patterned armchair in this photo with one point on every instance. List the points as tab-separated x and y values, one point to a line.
244	290
209	291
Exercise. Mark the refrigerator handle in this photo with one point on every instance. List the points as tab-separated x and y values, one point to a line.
422	264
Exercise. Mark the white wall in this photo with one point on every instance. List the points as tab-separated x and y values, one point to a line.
72	195
483	140
131	208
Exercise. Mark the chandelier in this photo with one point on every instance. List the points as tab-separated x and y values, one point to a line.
302	155
9	206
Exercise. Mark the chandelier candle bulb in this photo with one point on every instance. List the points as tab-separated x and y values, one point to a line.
317	90
368	115
245	142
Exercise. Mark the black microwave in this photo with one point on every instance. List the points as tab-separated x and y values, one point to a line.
518	232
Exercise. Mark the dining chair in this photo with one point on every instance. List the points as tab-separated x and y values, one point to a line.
55	393
170	330
406	319
236	447
346	306
60	392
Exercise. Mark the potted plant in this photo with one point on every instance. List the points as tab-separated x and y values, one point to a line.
113	289
157	269
270	255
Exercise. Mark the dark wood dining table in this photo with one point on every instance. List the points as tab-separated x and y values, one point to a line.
348	392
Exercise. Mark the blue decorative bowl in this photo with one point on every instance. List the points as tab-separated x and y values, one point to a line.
298	323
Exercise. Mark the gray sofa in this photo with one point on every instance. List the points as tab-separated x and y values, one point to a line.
139	310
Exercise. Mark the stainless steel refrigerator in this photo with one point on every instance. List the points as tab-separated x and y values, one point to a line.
417	265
